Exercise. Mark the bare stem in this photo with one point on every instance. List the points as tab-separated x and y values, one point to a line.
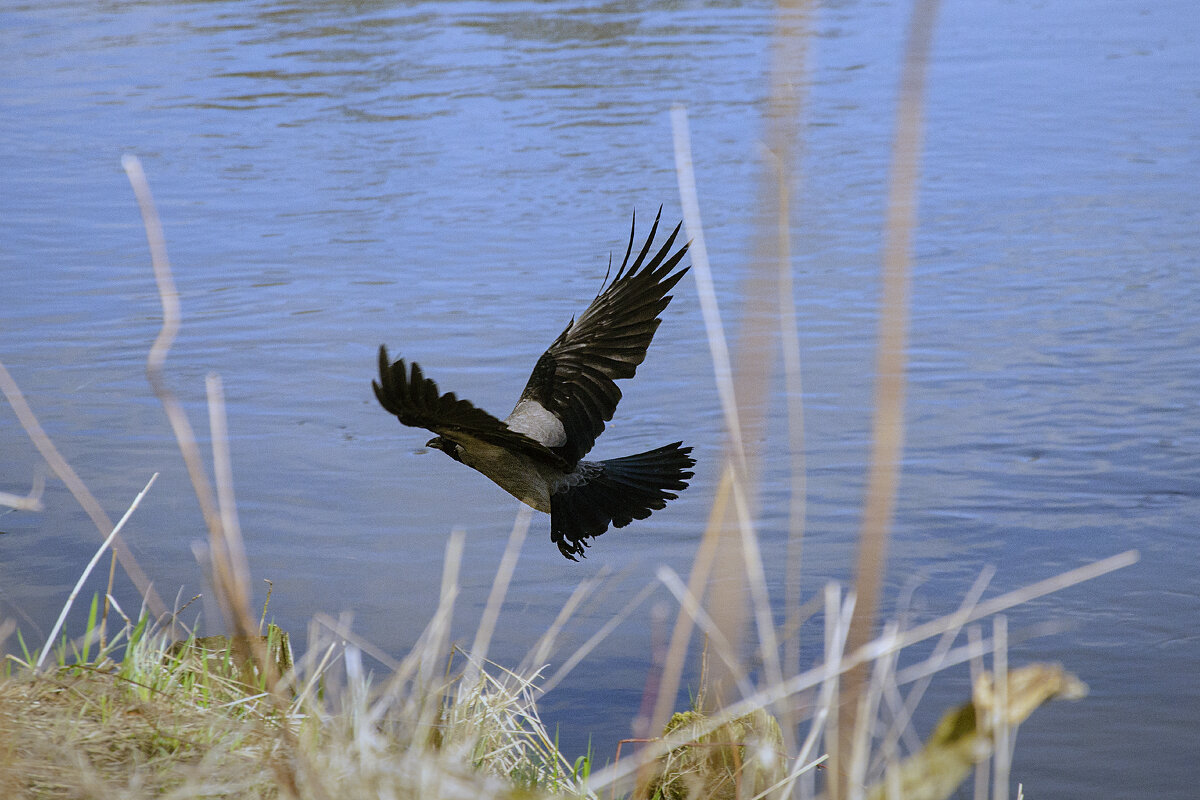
88	571
887	438
78	489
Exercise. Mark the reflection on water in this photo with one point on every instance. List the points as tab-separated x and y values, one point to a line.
449	179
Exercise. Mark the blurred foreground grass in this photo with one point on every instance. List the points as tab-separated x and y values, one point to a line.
150	718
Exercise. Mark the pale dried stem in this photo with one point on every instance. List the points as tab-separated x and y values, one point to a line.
228	558
595	639
233	556
491	610
722	647
982	768
169	297
88	571
341	627
887	438
78	489
1001	754
439	628
837	624
705	290
231	573
788	84
7	628
29	502
727	595
756	580
887	749
883	673
538	654
672	666
672	669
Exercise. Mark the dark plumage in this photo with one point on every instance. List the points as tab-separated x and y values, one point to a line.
535	453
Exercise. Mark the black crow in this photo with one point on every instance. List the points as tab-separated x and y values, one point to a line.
535	453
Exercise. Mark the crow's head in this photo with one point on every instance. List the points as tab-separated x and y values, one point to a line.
447	446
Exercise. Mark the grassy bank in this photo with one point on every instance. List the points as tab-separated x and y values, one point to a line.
149	717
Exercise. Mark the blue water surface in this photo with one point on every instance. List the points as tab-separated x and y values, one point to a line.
450	178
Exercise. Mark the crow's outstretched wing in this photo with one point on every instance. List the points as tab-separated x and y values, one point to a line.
575	378
416	401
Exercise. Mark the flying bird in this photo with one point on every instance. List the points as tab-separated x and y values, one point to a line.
536	452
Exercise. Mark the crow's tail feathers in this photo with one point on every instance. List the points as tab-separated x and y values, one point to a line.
616	492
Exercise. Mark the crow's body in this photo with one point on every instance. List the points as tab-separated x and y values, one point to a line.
536	453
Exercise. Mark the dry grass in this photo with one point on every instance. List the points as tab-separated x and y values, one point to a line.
148	717
154	725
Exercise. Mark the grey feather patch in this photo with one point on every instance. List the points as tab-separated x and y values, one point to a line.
532	419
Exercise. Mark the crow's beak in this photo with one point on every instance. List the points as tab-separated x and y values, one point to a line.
447	446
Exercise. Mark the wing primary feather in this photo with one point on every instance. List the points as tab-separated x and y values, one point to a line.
646	247
628	249
603	283
664	250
